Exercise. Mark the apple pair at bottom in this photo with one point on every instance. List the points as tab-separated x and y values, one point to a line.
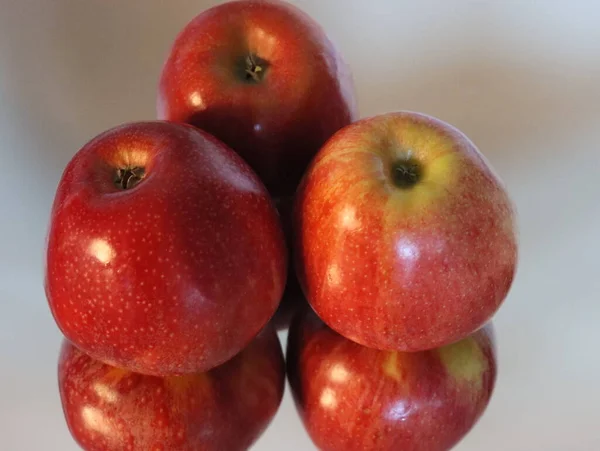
349	397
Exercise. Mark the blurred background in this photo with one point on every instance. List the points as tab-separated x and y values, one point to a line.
521	78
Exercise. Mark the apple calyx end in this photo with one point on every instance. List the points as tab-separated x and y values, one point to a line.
406	173
128	178
254	69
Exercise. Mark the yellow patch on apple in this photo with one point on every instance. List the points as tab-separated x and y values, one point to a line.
115	375
181	385
464	361
391	367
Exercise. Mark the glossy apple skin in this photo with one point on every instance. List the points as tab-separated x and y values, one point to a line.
224	409
354	398
404	269
278	124
175	275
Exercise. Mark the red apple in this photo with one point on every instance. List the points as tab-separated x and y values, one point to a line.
406	237
165	253
224	409
351	397
264	78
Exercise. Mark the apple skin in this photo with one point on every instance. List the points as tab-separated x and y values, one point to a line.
277	122
354	398
396	262
224	409
174	275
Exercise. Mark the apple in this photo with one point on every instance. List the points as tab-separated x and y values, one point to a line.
351	397
406	237
165	253
263	77
293	299
226	408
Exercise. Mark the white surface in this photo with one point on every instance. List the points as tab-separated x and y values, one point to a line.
521	78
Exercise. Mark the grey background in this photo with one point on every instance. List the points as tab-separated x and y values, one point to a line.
521	78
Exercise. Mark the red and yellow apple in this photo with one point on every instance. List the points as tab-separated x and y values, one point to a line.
224	409
165	252
354	398
405	236
263	77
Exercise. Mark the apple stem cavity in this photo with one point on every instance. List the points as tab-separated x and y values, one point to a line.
254	69
128	178
406	173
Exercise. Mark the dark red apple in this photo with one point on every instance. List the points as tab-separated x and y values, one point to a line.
354	398
224	409
406	237
165	253
263	77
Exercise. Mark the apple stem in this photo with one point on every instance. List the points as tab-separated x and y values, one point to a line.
128	178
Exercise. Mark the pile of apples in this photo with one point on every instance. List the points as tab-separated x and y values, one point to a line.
178	247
